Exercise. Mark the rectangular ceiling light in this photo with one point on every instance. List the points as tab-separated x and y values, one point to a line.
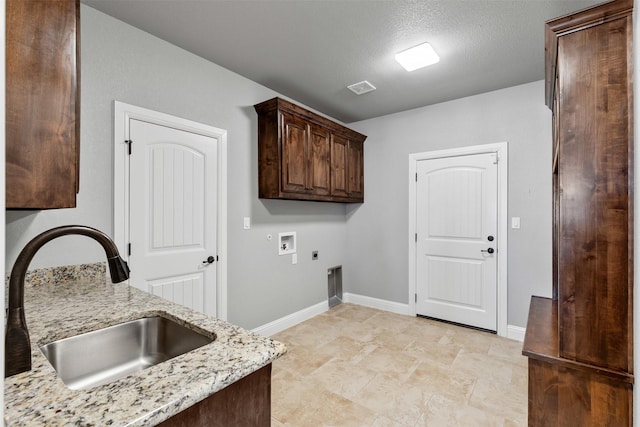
417	57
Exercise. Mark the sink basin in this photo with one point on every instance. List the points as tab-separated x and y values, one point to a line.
99	357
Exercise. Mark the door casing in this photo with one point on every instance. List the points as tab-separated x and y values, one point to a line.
123	113
501	150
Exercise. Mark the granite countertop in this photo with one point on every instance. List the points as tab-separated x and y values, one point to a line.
39	397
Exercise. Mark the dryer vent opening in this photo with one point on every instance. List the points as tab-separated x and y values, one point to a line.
334	276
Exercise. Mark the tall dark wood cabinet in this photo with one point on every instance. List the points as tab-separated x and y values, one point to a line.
304	156
580	342
42	103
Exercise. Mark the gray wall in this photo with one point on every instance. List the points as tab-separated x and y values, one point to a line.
377	242
122	63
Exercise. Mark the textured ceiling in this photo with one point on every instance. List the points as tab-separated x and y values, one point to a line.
311	50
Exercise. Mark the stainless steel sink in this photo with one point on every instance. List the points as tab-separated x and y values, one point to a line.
99	357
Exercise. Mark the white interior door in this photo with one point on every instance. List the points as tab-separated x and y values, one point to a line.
173	214
456	225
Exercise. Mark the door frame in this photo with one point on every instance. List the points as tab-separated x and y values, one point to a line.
501	150
122	114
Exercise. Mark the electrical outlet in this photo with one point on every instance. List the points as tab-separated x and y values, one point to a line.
294	259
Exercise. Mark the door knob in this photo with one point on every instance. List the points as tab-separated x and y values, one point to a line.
209	260
490	238
490	250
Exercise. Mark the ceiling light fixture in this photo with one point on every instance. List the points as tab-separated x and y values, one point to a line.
417	57
361	87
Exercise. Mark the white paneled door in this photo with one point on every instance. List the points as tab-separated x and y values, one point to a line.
456	224
173	214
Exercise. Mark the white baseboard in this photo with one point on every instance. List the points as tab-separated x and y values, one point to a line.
292	319
278	325
381	304
515	332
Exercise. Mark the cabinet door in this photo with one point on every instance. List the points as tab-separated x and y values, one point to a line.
319	164
295	134
42	117
355	170
339	160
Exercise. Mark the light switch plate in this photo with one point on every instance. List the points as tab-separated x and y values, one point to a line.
515	222
294	259
247	223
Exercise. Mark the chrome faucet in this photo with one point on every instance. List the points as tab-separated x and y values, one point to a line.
17	346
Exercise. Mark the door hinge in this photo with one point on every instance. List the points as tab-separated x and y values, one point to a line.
129	144
416	237
416	176
415	297
129	249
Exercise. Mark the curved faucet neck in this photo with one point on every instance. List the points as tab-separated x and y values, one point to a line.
17	343
19	271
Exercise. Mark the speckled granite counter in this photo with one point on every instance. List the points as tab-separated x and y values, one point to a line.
39	397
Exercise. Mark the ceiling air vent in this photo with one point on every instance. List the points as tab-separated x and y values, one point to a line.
361	87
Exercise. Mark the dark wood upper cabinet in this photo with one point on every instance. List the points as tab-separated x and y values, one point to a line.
42	103
580	342
304	156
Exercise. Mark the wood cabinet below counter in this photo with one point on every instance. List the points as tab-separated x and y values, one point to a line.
304	156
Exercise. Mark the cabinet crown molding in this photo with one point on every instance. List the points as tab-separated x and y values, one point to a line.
284	105
570	23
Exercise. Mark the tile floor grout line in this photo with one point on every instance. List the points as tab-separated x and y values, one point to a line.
430	373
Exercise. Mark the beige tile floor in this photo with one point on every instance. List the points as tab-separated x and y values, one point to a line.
358	366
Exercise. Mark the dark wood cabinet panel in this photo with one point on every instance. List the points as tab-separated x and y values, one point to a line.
564	392
595	211
320	161
339	162
42	100
355	171
246	402
304	156
561	396
347	171
295	134
580	343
